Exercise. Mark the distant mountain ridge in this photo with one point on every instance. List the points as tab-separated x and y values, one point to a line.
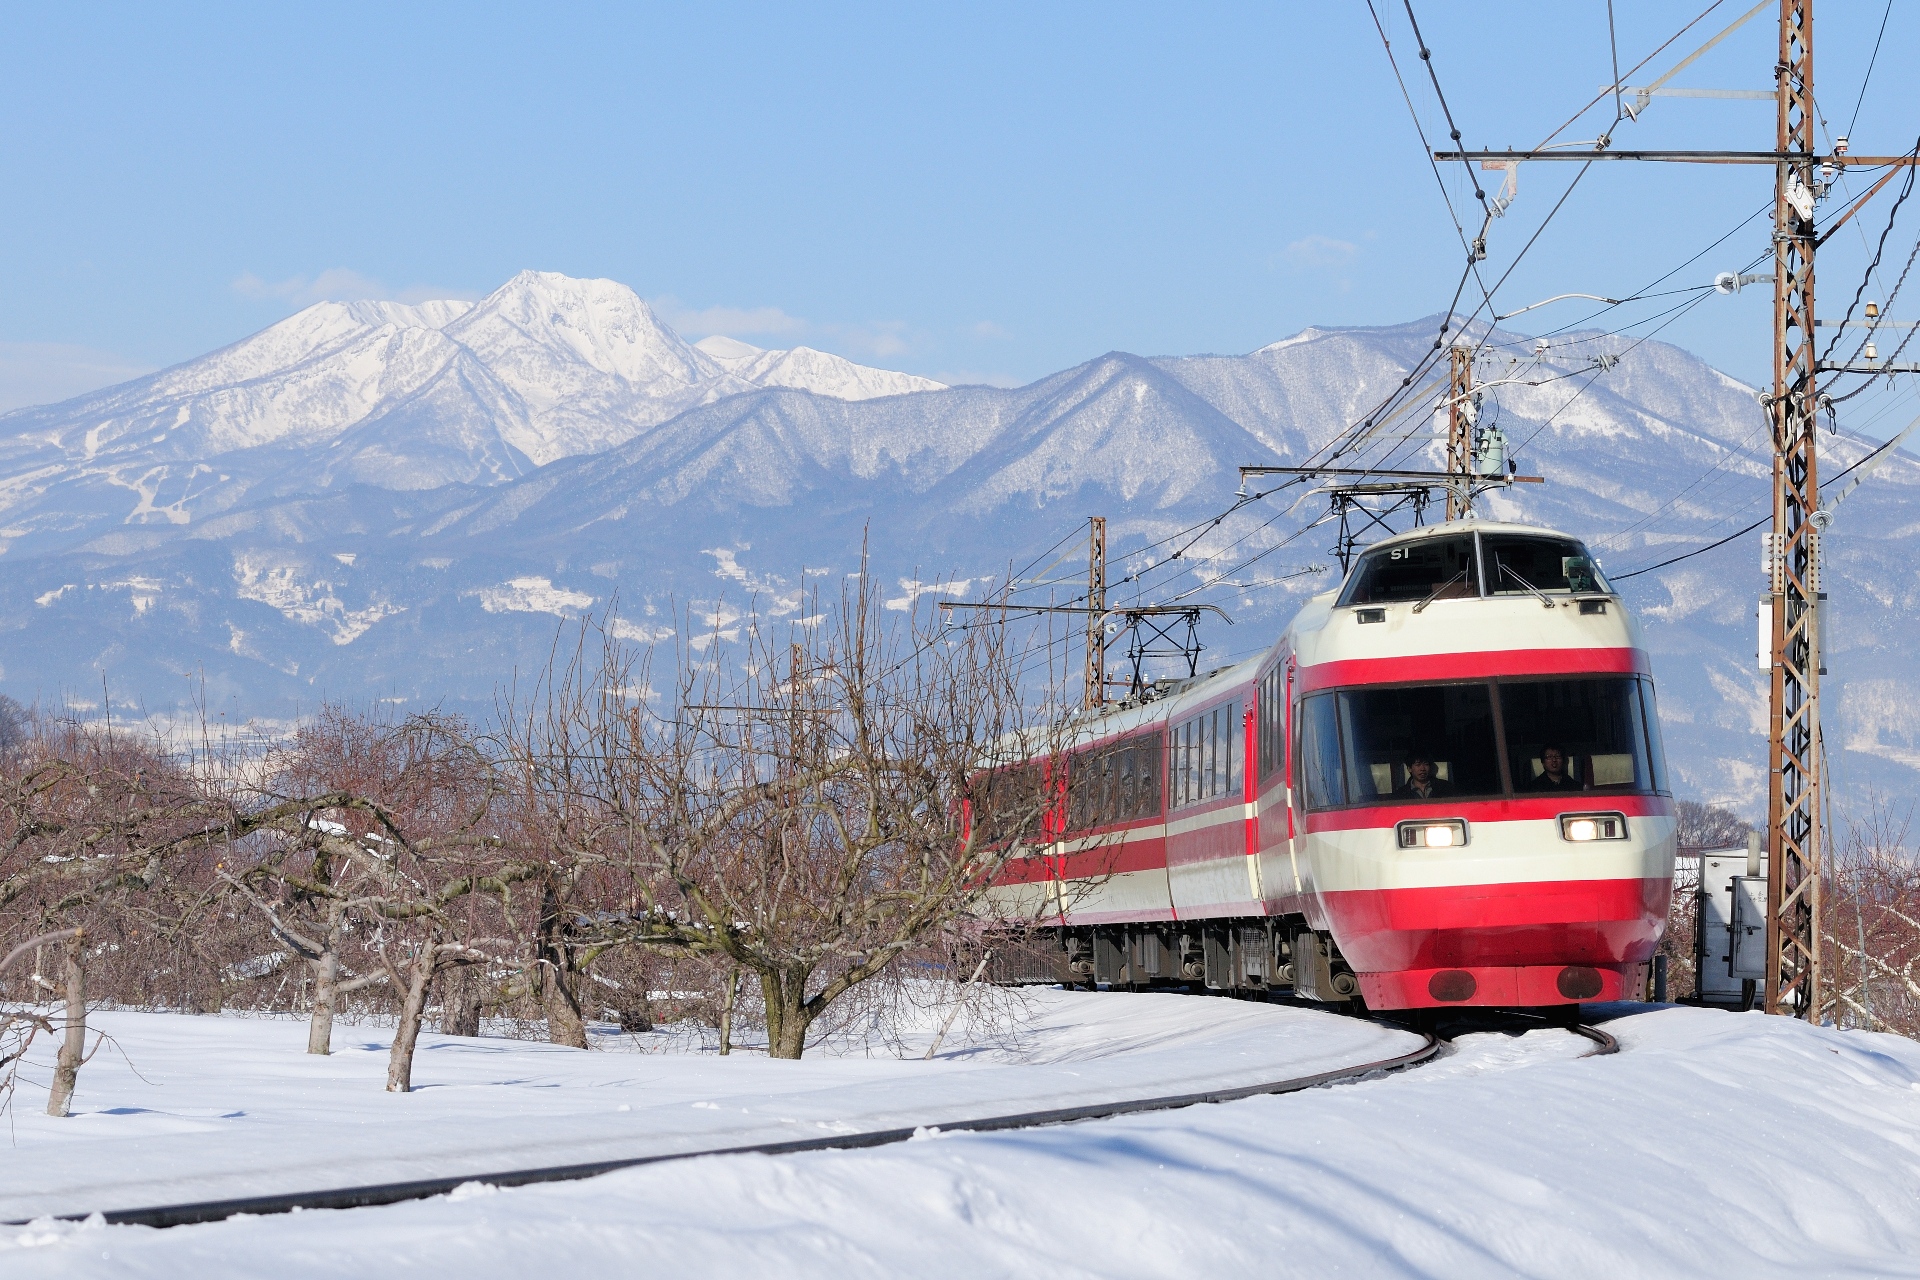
375	502
383	394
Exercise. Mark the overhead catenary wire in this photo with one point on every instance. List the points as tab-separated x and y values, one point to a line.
1867	79
1721	542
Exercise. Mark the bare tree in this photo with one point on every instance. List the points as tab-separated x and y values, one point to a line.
408	856
1871	923
1708	826
799	808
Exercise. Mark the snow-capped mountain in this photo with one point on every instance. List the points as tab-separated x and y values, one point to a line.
378	393
805	369
339	549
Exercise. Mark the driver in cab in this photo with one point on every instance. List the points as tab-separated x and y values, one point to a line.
1421	784
1553	771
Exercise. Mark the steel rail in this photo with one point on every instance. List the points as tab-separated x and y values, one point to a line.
1605	1043
176	1215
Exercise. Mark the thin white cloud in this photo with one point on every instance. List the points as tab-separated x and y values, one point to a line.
880	339
975	378
989	330
48	372
1320	253
342	284
877	339
730	321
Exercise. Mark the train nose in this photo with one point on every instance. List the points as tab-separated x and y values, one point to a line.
1514	986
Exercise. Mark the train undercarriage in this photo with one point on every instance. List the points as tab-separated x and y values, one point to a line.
1248	958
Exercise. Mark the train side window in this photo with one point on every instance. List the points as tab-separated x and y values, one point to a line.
1011	802
1595	726
1412	571
1146	754
1270	723
1206	755
1656	750
1321	786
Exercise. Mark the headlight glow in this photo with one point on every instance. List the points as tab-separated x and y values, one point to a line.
1583	828
1431	833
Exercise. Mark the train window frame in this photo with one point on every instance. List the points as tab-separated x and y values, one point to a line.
1638	735
1643	707
1271	703
1349	589
1486	588
1207	755
1301	753
1115	782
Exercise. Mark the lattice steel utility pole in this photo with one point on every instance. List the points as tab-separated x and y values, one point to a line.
1459	434
1793	981
1793	562
1096	611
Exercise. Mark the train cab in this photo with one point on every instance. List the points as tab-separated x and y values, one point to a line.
1480	800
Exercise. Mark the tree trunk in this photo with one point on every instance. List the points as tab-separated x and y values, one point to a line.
787	1016
565	1022
66	1068
726	1012
326	971
460	1001
413	1006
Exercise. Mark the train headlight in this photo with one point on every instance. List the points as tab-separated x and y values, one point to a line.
1446	833
1580	828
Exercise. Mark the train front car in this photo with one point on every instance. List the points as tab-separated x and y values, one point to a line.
1482	812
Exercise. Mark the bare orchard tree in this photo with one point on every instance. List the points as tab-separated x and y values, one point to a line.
796	807
1871	924
90	818
412	858
1708	826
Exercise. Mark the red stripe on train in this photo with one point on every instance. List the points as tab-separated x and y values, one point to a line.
1149	854
1518	809
1479	664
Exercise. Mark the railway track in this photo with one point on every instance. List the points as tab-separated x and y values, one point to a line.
184	1214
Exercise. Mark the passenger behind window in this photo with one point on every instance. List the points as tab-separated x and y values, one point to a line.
1421	784
1554	774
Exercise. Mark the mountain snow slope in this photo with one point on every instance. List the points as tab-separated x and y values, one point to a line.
805	369
381	394
425	552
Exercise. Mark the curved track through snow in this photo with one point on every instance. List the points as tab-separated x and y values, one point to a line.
175	1215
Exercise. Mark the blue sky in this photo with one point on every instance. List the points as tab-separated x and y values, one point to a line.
983	192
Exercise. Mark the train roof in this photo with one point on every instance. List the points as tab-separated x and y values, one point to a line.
1453	528
1172	699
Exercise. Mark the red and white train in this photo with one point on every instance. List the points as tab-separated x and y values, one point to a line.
1444	785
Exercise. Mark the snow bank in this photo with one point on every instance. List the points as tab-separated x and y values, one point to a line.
213	1108
1714	1144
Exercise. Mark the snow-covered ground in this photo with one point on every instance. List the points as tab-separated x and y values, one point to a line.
1713	1144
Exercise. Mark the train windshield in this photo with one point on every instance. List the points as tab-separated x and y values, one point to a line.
1513	562
1494	564
1578	735
1410	743
1439	567
1387	746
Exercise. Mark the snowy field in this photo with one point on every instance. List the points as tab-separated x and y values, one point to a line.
1713	1144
